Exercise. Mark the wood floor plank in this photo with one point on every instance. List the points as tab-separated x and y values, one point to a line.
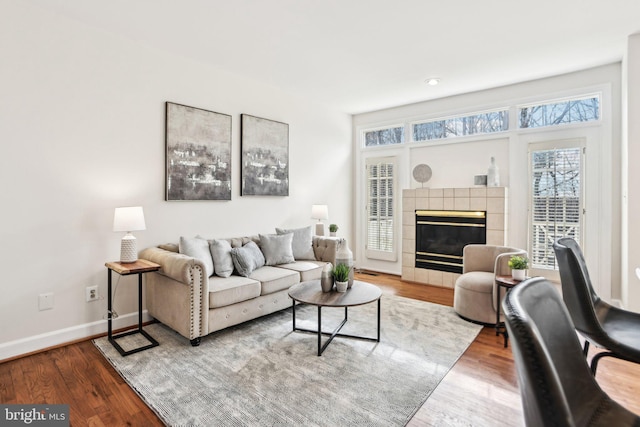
480	390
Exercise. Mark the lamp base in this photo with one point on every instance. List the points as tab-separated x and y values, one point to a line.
128	250
320	229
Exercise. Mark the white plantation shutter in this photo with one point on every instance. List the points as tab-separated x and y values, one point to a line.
380	208
556	201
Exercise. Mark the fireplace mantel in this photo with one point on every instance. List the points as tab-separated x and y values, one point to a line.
493	200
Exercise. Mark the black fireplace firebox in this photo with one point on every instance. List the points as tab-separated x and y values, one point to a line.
441	236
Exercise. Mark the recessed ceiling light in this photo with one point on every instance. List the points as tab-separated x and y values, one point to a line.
432	81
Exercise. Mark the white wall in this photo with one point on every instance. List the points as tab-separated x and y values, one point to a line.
454	163
631	176
82	131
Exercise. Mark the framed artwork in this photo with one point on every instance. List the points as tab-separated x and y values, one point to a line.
198	154
265	157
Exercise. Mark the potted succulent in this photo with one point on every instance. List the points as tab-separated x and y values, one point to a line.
518	265
341	277
333	228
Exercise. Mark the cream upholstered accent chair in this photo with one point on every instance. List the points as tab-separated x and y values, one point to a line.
474	296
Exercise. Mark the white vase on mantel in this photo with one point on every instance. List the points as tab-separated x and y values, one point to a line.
493	174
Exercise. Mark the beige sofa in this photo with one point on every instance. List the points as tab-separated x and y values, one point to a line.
194	301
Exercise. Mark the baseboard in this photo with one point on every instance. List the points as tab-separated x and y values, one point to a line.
35	343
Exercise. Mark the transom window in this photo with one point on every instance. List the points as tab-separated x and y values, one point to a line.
575	110
386	136
479	123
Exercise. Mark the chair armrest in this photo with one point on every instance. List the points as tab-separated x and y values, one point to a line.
501	267
325	248
174	265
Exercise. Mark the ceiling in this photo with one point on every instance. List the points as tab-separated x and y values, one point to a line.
365	55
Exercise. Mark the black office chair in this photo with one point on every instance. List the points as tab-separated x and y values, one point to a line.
556	385
608	327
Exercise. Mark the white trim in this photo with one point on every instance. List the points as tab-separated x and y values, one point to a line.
62	336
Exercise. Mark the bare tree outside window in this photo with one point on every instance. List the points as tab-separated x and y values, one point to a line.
552	114
556	201
480	123
389	136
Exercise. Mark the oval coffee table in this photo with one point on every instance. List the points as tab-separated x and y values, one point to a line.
310	292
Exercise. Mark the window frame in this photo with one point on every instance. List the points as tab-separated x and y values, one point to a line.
375	254
363	136
412	124
579	143
560	100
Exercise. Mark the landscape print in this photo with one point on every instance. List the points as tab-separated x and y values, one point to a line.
198	154
265	157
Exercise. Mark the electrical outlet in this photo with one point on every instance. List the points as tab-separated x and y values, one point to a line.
92	293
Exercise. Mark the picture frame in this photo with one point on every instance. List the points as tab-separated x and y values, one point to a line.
198	154
265	157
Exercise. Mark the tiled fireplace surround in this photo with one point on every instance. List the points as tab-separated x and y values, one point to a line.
490	199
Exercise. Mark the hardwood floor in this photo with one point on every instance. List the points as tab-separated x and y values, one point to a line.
480	390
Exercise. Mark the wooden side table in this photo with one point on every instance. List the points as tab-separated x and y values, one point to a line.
139	267
506	282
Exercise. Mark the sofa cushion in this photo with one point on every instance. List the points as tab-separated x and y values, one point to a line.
247	258
276	248
275	279
308	270
197	248
302	242
225	291
222	260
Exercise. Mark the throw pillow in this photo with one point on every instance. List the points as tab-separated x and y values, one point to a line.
199	249
302	242
247	258
277	248
222	260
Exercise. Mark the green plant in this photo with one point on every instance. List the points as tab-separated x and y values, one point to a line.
333	228
518	262
341	272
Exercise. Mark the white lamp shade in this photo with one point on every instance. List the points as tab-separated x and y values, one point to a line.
129	219
319	212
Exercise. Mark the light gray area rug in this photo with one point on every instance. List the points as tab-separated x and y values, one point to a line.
261	373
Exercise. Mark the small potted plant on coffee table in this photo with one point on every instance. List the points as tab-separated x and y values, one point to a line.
341	277
333	228
518	265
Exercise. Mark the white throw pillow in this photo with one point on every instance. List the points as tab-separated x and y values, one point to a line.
222	260
302	242
277	248
197	248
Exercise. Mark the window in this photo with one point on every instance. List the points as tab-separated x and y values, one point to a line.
488	122
555	113
386	136
556	199
380	222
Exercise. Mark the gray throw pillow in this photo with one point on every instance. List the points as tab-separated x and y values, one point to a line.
302	242
247	258
222	260
197	248
277	248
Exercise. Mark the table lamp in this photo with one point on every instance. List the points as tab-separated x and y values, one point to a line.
319	212
128	219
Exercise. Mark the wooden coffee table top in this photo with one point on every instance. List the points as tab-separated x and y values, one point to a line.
310	292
